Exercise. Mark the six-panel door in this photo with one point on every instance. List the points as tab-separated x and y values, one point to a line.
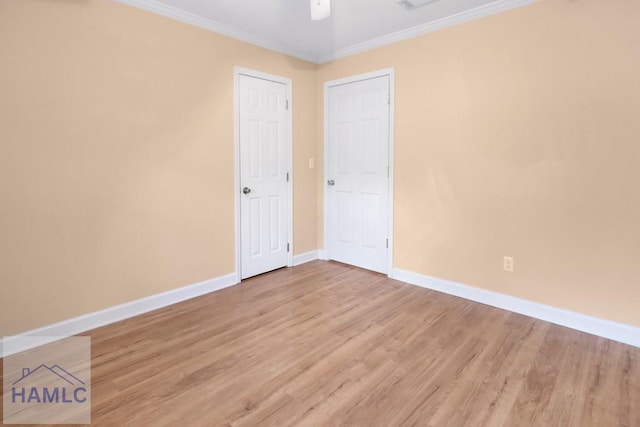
263	175
358	173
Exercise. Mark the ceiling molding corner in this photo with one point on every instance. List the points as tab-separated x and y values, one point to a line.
429	27
216	27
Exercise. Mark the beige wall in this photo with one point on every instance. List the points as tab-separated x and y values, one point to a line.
515	135
518	135
116	164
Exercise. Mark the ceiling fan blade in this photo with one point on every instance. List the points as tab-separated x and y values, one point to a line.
320	9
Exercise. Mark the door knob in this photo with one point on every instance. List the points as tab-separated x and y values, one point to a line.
246	190
331	182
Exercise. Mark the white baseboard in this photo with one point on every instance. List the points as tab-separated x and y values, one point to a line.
322	254
305	257
604	328
110	315
615	331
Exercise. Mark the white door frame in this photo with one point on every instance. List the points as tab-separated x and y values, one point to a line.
237	72
352	79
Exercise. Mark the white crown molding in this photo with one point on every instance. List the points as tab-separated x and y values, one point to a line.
211	25
429	27
604	328
217	27
87	322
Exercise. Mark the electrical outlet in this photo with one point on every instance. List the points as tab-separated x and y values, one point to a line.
312	163
508	264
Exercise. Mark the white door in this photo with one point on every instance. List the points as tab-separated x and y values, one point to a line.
358	173
264	145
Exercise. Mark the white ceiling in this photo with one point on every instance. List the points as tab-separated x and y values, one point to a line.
354	25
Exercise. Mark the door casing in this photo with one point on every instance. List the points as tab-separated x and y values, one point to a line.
237	72
352	79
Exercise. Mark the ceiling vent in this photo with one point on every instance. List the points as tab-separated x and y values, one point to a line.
414	4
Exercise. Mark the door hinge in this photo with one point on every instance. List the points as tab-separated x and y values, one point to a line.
389	100
388	172
287	104
387	243
287	176
287	247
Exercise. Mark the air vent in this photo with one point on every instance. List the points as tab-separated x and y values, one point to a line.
413	4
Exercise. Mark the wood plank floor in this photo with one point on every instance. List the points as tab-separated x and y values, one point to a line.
325	344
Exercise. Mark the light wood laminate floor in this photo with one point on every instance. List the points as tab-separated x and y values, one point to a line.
325	344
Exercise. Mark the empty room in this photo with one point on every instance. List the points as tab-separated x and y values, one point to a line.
320	212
